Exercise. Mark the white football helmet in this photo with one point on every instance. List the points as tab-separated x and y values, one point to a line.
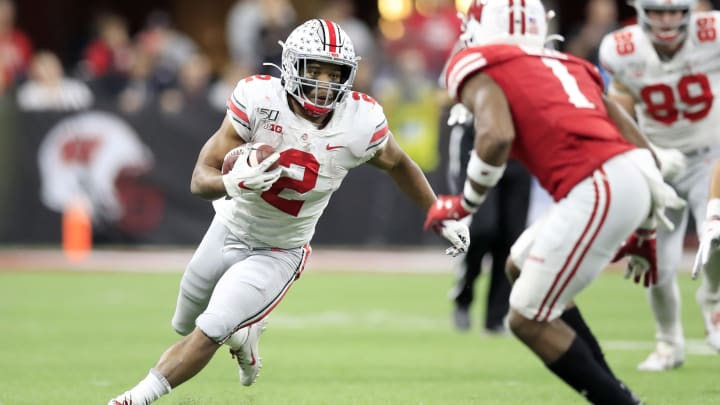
505	21
659	33
324	41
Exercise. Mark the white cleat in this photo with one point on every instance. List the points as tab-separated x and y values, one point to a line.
124	399
665	357
248	356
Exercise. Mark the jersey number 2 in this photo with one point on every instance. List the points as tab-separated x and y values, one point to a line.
311	167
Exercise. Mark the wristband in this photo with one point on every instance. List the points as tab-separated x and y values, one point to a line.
483	173
471	199
713	208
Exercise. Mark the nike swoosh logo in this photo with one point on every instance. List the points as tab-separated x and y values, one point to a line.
252	358
328	147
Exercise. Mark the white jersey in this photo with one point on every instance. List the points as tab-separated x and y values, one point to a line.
675	99
314	161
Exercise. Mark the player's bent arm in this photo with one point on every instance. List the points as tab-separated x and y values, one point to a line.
405	173
713	204
625	123
619	93
494	135
627	126
206	179
711	225
494	129
715	181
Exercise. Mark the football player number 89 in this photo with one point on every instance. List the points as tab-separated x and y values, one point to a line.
308	182
693	91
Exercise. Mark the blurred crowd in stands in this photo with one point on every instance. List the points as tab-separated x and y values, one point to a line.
161	64
165	80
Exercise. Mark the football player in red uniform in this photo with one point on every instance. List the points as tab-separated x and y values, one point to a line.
547	109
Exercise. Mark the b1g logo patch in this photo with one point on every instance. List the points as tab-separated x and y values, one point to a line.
272	127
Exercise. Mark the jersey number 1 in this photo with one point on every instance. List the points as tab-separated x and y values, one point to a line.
568	83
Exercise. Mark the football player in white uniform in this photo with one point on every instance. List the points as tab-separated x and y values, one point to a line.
666	72
258	243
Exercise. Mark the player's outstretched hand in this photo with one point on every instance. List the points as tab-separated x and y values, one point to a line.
672	162
446	207
442	218
709	243
244	177
457	233
641	249
459	114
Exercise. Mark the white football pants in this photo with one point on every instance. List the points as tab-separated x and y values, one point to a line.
566	250
228	286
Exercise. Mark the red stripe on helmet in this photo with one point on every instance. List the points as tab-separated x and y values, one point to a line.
511	23
332	35
522	19
475	10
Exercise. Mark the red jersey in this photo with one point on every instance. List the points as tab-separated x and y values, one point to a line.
563	132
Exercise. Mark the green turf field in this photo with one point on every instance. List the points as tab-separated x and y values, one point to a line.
337	338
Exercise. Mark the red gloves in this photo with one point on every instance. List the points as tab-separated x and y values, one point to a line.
446	207
641	247
442	218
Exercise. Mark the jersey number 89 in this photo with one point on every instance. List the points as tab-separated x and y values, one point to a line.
693	91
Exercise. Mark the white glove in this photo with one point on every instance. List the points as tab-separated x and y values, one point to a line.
709	244
672	162
458	234
243	177
459	115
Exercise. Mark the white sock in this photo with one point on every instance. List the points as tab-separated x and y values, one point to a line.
150	389
665	304
237	339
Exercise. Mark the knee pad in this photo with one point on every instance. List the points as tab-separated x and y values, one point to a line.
181	326
215	326
186	311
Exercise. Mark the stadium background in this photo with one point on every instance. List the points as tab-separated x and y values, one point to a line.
157	208
365	326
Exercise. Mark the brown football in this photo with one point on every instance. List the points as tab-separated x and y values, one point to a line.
258	152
